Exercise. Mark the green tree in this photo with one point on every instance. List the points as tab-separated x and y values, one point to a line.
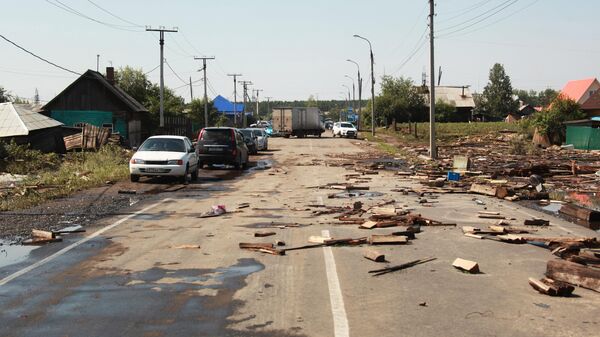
534	98
196	114
311	102
445	112
497	94
4	95
550	121
400	100
134	82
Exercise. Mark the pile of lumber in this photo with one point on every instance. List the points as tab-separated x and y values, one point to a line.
90	138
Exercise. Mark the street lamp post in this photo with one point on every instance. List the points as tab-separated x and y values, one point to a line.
359	93
348	100
353	95
372	85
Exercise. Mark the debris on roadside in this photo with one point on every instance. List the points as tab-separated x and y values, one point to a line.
373	255
40	237
551	287
268	248
387	239
574	273
465	265
216	210
263	234
187	246
127	192
382	271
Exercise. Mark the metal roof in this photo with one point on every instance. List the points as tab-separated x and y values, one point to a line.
225	106
20	119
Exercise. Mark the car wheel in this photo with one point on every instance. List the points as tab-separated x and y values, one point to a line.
195	174
237	165
200	165
183	179
134	178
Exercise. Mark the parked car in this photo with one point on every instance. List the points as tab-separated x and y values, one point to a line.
344	129
262	138
164	156
328	124
222	146
251	140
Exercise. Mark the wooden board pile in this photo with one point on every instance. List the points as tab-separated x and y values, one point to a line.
90	138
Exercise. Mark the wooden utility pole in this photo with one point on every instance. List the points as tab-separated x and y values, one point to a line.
205	95
244	117
432	147
235	76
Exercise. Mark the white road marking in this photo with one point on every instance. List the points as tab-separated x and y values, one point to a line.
340	320
75	244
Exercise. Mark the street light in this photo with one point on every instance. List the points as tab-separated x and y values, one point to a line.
353	94
372	85
359	93
348	101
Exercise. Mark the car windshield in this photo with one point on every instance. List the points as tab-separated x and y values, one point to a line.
259	132
163	144
347	125
217	135
247	133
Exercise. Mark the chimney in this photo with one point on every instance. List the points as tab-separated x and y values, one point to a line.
110	75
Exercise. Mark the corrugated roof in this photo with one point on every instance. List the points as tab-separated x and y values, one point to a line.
460	97
225	106
20	119
576	89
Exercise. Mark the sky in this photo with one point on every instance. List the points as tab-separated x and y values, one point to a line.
294	49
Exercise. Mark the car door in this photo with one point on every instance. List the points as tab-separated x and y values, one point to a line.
192	157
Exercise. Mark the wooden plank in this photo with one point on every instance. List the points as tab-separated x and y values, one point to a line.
383	210
541	287
466	265
245	245
263	234
574	274
489	216
369	224
536	222
373	255
483	189
470	229
499	229
388	239
39	234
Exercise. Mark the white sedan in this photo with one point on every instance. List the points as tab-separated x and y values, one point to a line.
165	156
344	129
262	139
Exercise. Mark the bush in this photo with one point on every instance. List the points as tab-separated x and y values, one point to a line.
550	121
20	159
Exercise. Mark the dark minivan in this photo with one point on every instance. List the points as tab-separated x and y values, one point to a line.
222	146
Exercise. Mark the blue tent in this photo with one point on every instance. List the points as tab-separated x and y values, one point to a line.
223	105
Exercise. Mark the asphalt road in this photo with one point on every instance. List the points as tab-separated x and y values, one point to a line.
160	270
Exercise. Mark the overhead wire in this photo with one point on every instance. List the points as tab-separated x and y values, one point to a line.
71	10
114	15
412	29
38	57
492	23
505	4
174	73
420	44
465	11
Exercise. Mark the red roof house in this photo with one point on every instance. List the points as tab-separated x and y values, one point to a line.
580	90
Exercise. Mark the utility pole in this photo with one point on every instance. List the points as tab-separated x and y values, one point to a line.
97	63
205	96
162	32
257	112
235	76
244	117
372	85
432	147
359	94
191	90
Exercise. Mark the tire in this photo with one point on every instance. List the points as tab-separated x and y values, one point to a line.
195	174
238	164
333	135
200	165
183	179
134	178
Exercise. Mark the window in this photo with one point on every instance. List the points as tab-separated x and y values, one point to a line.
108	126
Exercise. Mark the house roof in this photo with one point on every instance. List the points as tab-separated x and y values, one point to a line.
592	103
576	89
460	97
20	119
225	106
129	101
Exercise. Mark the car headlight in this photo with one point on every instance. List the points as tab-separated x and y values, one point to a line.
175	162
137	161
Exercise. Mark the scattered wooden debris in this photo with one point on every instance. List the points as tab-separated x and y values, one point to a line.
536	222
388	239
590	218
551	287
268	248
382	271
187	246
127	192
40	234
466	265
573	273
263	234
373	255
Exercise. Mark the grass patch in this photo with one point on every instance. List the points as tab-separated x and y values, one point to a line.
75	172
448	132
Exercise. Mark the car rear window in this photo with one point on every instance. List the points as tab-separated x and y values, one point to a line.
217	135
247	133
163	144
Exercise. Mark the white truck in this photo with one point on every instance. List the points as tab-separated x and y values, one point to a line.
299	122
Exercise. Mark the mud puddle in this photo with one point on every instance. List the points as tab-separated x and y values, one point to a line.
11	252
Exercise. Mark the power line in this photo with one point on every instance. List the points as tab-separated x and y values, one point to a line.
420	44
68	9
493	11
465	11
494	22
38	57
179	77
153	69
114	15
